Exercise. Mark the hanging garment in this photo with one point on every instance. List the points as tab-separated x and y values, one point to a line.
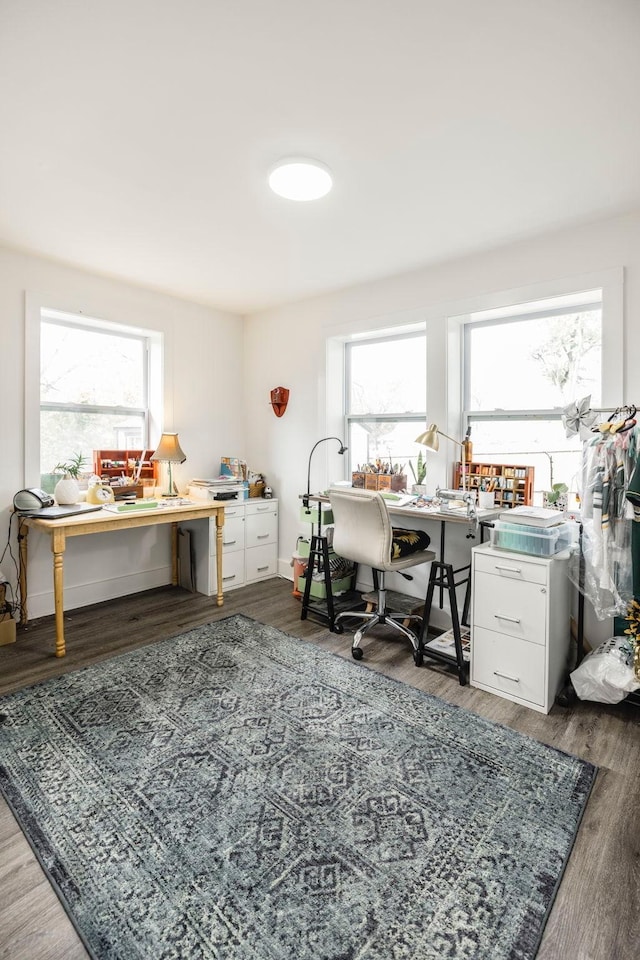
633	496
609	461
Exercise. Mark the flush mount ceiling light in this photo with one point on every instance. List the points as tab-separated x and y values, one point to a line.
299	179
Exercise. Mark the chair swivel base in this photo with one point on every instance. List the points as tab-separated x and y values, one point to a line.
383	619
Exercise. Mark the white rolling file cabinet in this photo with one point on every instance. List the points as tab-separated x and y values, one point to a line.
520	629
249	545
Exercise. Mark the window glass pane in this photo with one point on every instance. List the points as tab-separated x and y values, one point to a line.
391	442
64	433
388	376
535	364
538	443
87	366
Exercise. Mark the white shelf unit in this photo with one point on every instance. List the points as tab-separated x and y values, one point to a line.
520	626
249	545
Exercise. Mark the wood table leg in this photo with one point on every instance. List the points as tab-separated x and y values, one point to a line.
219	526
174	554
23	532
58	543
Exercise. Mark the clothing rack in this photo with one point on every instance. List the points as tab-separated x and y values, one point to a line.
568	694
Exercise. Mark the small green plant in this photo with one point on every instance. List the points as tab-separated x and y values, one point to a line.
73	467
556	492
420	472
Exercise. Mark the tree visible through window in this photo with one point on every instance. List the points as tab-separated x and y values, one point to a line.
520	371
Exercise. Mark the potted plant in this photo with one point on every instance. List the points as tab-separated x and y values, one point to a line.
556	498
419	474
67	489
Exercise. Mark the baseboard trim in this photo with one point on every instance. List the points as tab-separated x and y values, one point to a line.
84	594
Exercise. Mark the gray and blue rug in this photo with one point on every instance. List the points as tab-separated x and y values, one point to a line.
236	793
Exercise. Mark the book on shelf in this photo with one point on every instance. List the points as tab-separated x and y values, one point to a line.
534	516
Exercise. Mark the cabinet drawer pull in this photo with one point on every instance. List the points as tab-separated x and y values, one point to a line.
509	569
261	509
502	616
266	567
262	536
505	676
231	576
228	543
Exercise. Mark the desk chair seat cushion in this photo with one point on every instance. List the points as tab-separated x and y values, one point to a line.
406	542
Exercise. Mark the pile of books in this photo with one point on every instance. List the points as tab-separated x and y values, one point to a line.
534	516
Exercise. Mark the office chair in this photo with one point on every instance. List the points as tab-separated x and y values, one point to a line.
363	533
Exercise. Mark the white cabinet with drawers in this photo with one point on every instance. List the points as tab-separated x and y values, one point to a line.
249	545
520	627
261	539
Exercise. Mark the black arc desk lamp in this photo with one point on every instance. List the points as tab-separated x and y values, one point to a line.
319	552
342	450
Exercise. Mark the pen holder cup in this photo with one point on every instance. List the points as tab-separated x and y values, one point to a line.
148	488
486	500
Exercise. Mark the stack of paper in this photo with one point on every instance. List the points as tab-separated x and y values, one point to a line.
216	488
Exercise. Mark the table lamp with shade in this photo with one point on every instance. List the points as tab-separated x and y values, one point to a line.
169	451
430	439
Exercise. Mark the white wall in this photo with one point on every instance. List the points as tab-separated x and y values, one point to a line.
294	340
220	371
202	402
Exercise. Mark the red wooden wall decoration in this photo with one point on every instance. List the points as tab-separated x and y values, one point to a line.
279	400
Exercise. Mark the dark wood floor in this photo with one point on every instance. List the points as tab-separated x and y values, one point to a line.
596	915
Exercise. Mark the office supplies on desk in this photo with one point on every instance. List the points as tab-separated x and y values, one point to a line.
124	507
398	499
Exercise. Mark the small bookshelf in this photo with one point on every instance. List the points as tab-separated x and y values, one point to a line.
111	464
513	482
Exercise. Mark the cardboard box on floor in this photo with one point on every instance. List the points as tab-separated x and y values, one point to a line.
7	629
7	623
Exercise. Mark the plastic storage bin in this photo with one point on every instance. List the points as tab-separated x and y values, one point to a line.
317	512
319	588
536	541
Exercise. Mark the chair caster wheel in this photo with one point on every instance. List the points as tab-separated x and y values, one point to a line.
417	657
356	653
338	628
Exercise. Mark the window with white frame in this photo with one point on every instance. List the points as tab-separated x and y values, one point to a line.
94	388
522	365
385	399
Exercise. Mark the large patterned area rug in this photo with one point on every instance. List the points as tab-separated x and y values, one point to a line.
239	794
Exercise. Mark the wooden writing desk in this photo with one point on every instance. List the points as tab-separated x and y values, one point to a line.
104	521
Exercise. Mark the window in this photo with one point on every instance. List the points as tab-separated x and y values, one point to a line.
94	388
385	381
521	367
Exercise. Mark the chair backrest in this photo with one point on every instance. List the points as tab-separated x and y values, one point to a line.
362	530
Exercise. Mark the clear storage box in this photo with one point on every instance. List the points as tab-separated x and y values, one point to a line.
537	541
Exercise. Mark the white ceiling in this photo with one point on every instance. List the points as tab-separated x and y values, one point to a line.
136	135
